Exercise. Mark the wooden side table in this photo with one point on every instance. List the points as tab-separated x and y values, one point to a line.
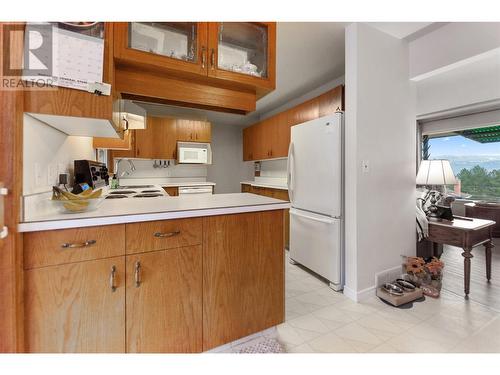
465	234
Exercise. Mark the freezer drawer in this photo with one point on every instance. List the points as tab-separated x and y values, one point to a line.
316	243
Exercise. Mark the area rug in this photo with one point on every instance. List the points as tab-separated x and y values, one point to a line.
267	345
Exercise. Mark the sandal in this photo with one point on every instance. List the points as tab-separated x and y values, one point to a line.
406	285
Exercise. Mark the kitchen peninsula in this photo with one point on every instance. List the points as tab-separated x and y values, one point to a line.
165	274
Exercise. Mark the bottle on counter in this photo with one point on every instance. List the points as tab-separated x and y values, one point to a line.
114	182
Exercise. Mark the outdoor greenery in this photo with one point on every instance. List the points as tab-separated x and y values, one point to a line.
480	183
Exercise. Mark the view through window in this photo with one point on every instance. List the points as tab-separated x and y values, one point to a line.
475	158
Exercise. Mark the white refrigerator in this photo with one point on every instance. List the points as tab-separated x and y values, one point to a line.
315	187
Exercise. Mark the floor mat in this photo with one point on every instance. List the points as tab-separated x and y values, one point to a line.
267	345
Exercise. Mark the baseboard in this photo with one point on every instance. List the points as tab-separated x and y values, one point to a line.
362	295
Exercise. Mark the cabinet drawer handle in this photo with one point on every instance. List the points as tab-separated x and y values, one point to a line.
166	235
203	57
69	245
212	59
112	278
137	274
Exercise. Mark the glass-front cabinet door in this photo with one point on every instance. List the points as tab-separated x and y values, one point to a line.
167	45
243	52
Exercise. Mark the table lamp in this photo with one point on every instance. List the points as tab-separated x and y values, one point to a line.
435	173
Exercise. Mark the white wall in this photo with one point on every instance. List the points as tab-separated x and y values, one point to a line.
457	69
48	152
471	84
228	168
452	45
380	129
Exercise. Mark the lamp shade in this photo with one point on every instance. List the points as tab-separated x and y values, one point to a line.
435	172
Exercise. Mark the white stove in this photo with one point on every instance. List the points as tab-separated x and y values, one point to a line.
136	191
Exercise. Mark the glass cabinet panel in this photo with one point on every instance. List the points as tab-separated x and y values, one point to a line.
242	48
177	40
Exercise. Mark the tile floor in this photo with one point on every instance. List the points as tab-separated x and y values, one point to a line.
321	320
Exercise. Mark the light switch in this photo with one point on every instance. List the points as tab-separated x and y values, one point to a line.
365	166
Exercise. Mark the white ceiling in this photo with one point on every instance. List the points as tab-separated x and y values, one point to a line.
401	30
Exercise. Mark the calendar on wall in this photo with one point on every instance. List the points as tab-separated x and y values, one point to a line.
64	54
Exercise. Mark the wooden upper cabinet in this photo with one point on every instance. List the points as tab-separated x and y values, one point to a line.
193	130
158	140
270	138
303	112
163	46
236	55
243	52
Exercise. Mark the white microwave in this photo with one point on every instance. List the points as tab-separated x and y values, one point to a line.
194	153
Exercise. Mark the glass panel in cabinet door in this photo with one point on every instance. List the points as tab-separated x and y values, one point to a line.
177	40
242	48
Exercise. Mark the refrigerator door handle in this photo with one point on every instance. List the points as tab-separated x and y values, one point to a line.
296	213
289	177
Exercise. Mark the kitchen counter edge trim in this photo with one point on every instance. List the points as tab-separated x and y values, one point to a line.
136	218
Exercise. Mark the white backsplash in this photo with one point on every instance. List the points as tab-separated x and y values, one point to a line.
146	173
272	172
273	168
48	152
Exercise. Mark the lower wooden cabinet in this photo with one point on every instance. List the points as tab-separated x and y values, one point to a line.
272	193
76	308
243	275
200	283
171	190
164	299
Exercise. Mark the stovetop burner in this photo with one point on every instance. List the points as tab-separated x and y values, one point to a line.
116	196
148	195
150	191
121	192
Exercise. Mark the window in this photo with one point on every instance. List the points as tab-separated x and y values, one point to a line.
474	155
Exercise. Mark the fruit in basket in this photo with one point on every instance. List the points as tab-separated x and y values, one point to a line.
75	202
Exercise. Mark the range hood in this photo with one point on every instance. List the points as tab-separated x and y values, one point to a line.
131	116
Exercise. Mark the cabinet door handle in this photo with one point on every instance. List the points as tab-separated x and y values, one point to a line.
212	59
203	57
112	278
166	235
69	245
137	274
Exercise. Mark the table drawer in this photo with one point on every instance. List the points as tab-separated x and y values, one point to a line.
161	235
62	246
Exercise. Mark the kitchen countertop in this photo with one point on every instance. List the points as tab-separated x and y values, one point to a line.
259	184
114	211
